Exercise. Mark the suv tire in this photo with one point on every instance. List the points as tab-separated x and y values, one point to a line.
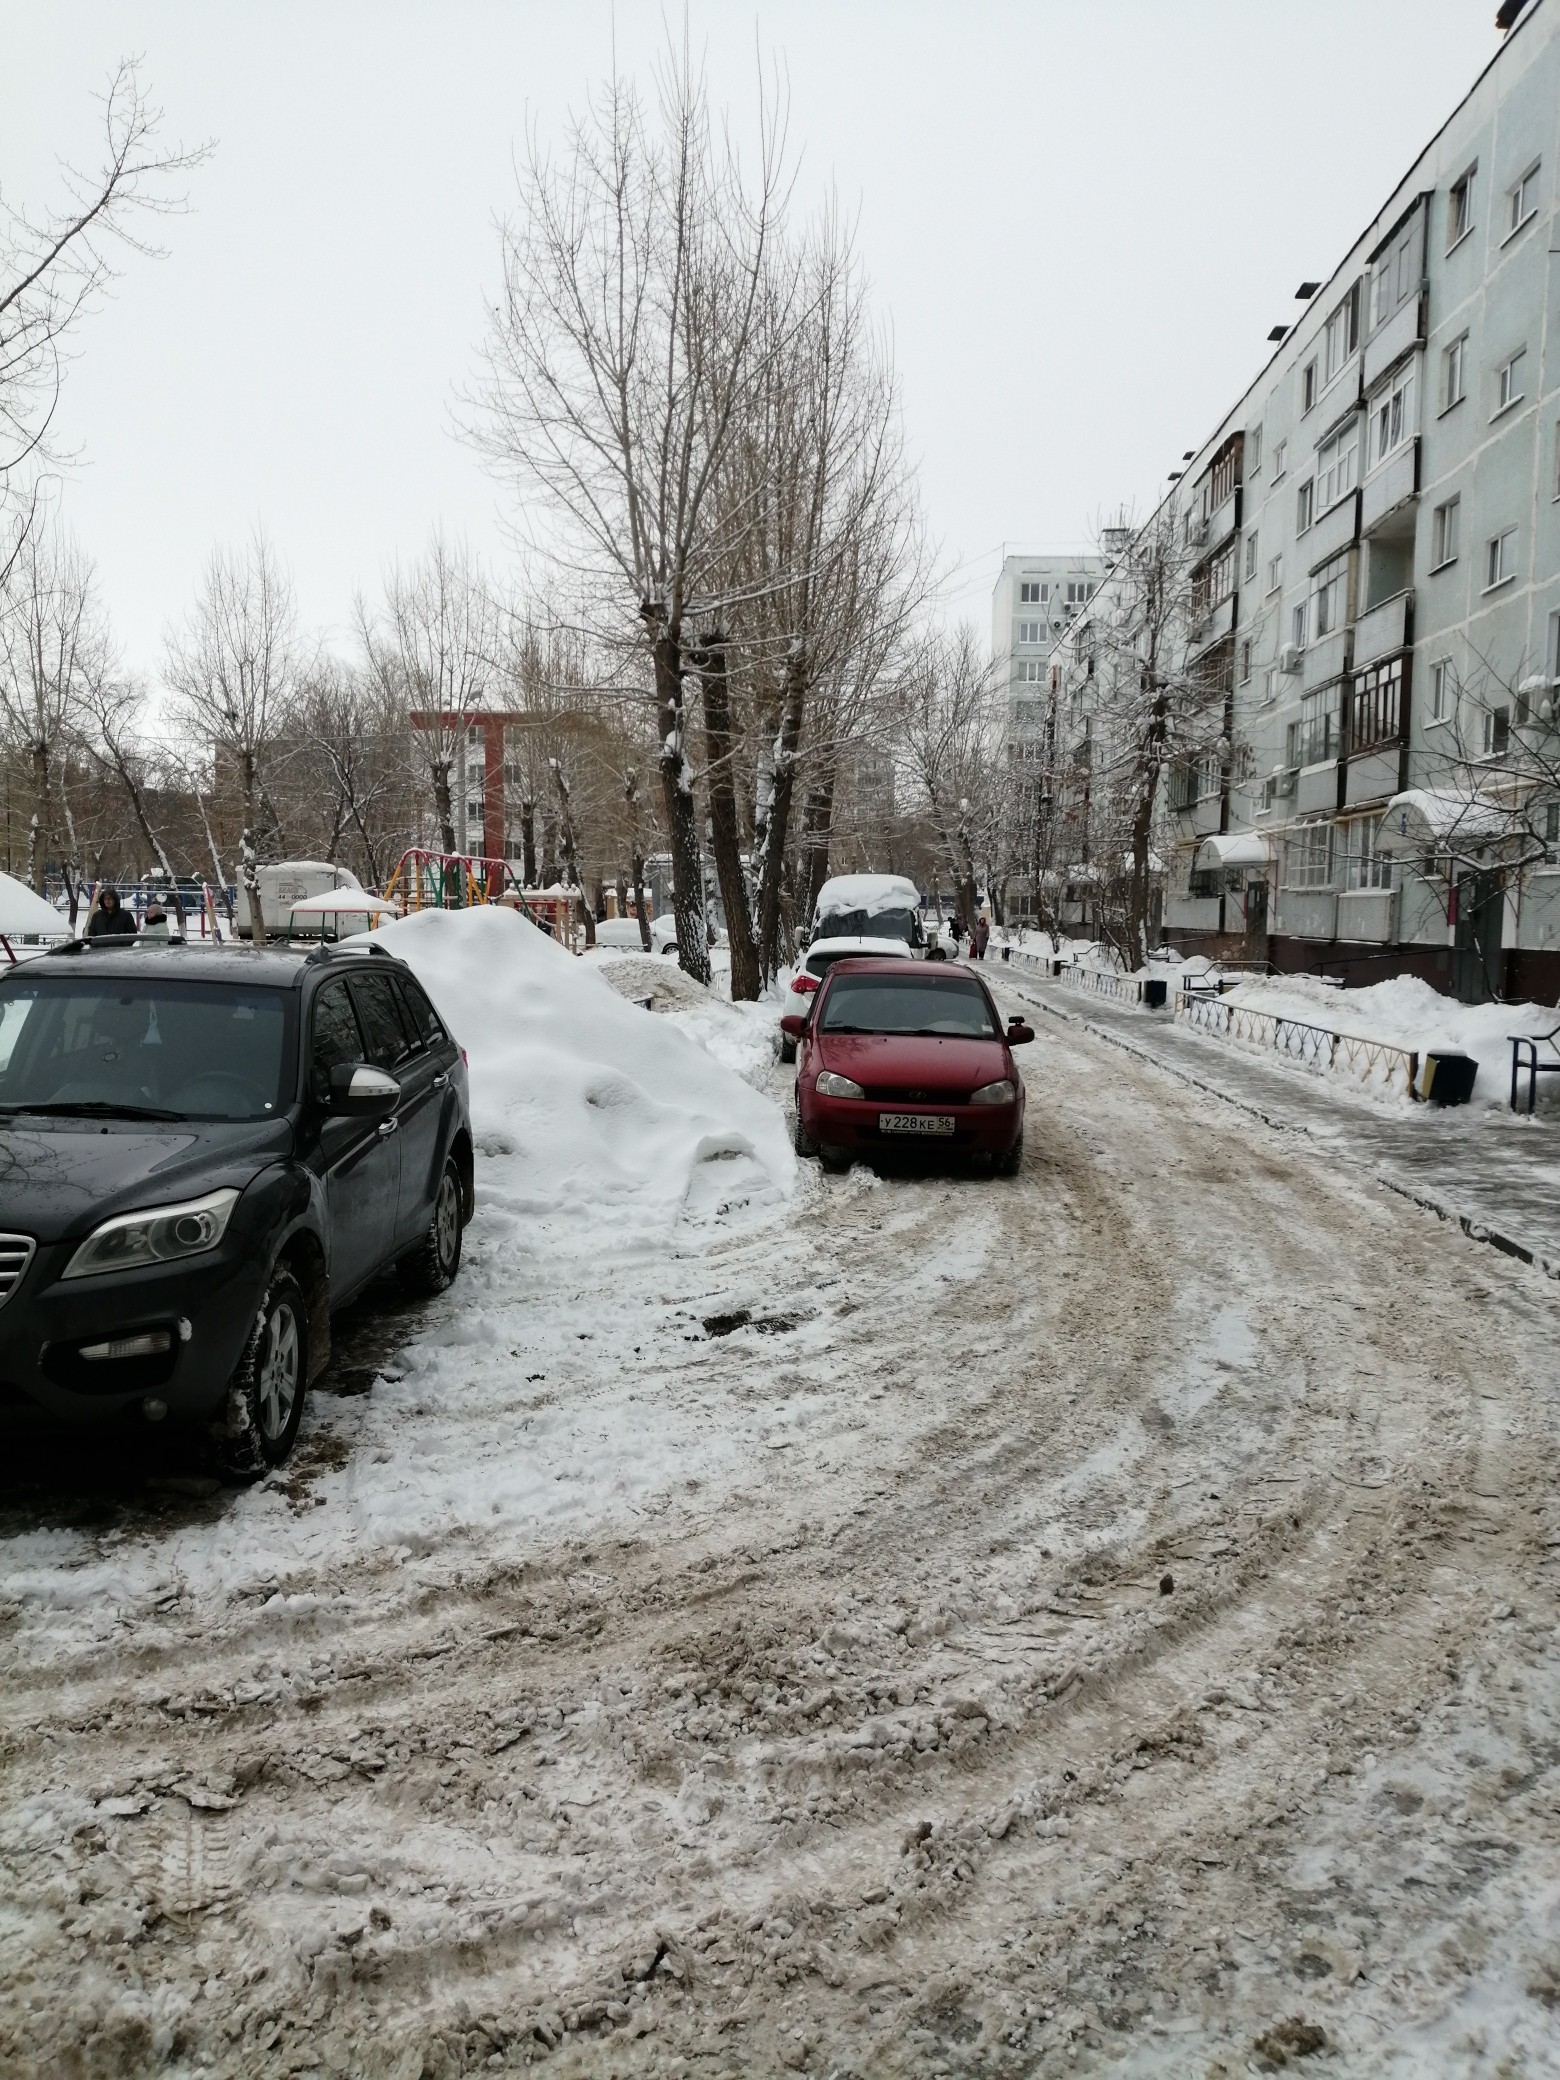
432	1266
259	1425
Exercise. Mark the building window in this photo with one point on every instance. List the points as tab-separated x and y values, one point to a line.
1245	662
1222	478
1275	573
1443	534
1305	505
1365	865
1079	592
1497	732
1319	726
1031	672
1029	631
1376	706
1308	856
1308	386
1554	648
1454	373
1500	559
1337	466
1280	451
1443	690
1329	596
1251	554
1510	381
1399	270
1557	458
1551	831
1270	683
1459	208
1522	201
1297	620
1342	334
1254	452
1213	584
1392	414
1033	592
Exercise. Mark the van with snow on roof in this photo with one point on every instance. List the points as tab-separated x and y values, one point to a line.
863	914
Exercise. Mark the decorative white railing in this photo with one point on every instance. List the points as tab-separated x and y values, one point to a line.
1374	1062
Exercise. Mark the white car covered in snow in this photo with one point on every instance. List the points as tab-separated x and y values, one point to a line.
875	914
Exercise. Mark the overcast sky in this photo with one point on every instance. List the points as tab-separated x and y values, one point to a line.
1080	219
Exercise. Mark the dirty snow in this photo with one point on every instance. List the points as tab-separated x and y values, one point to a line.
920	1625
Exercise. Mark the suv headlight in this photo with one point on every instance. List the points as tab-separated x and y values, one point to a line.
161	1235
831	1086
1002	1093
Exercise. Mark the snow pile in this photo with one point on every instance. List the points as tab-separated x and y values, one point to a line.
589	1113
1407	1012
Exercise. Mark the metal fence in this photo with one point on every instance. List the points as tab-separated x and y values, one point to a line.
1374	1062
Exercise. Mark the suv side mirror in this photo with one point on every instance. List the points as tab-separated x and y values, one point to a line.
360	1092
1018	1033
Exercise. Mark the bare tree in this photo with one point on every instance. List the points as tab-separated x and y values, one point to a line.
110	714
620	360
235	671
55	643
947	748
431	651
57	262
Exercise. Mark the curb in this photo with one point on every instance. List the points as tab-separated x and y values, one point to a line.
1475	1230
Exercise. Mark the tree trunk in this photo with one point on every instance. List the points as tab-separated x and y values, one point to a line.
248	858
528	843
443	805
571	851
38	830
778	820
1142	830
693	936
636	857
710	659
817	829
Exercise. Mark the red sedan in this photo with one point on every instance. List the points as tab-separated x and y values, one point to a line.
899	1053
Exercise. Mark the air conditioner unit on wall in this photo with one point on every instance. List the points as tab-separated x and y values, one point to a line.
1289	657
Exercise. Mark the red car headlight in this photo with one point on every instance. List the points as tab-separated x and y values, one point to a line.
1002	1093
831	1086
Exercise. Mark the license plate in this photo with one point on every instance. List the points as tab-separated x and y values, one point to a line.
915	1122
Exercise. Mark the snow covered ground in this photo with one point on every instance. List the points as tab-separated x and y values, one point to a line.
905	1625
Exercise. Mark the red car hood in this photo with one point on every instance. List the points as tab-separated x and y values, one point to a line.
901	1062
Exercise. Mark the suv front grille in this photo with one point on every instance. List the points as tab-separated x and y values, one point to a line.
15	1255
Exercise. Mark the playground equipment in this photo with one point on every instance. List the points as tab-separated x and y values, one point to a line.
448	880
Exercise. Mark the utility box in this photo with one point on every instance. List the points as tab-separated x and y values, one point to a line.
1447	1079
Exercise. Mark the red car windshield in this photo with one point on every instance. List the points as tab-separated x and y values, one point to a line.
953	1008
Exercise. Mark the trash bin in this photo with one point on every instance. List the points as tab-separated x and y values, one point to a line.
1057	967
1006	951
1447	1079
1154	993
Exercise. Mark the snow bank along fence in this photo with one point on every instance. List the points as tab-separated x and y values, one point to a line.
1146	991
1314	1047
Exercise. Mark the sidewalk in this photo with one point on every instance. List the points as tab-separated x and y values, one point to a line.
1497	1176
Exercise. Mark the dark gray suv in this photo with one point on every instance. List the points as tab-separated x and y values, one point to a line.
202	1154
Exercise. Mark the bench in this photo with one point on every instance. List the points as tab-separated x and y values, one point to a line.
1525	1055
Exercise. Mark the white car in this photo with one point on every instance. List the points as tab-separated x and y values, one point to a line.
622	934
865	914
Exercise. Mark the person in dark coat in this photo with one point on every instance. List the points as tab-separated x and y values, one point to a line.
110	919
980	938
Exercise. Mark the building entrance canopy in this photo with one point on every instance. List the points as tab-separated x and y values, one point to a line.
1428	819
1235	849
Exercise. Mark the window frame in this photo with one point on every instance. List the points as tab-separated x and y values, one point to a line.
1512	368
1445	533
1496	573
1280	460
1305	506
1443	694
1393	399
1459	207
1342	446
1309	387
1454	362
1519	218
1028	632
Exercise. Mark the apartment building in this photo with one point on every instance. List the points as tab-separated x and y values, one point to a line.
1373	538
1035	600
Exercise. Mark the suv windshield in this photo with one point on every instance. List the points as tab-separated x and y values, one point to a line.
954	1009
869	924
142	1049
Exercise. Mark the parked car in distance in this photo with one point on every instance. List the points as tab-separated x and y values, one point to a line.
622	934
284	883
205	1154
855	914
892	1054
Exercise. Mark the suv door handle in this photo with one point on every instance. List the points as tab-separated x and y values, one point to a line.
440	1081
388	1126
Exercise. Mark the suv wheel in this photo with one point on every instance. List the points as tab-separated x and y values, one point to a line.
430	1267
265	1394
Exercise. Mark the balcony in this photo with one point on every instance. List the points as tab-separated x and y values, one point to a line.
1368	915
1383	629
1223	520
1326	658
1372	776
1316	787
1392	484
1338	526
1403	330
1192	913
1214	626
1307	913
